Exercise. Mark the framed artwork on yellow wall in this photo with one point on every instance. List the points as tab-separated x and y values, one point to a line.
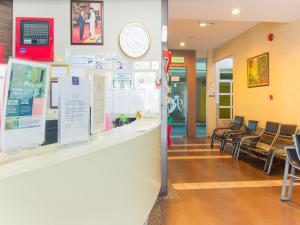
258	70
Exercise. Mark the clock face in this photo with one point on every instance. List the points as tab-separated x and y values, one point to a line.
134	40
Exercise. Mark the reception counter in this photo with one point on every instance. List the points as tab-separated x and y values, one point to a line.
112	180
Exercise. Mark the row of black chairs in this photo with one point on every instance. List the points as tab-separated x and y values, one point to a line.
266	144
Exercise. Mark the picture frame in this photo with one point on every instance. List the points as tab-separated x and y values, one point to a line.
87	22
258	71
58	70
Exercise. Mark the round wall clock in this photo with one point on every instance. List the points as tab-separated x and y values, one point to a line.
134	40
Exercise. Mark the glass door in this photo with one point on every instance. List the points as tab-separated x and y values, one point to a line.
225	98
201	97
178	106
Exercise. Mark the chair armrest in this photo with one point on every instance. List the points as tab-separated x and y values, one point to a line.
251	140
223	128
282	147
235	134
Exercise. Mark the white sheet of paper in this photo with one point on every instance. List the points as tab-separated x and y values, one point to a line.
136	101
77	71
152	100
83	60
155	65
122	80
144	80
103	64
121	101
74	110
54	94
58	71
98	102
142	65
109	101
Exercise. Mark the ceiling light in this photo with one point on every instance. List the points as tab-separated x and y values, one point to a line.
235	11
182	44
203	24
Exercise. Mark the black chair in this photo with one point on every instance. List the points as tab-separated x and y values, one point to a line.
219	133
259	146
284	138
293	161
233	137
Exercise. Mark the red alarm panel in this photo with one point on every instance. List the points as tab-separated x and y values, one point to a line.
35	38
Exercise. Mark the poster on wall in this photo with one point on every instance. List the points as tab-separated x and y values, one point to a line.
258	70
74	110
87	22
25	102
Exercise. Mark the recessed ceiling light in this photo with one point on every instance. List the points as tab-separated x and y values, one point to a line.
203	24
235	11
182	44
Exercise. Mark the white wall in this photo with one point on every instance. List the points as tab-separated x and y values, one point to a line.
117	13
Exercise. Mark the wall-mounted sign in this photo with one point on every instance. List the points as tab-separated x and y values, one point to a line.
122	81
177	60
35	38
175	78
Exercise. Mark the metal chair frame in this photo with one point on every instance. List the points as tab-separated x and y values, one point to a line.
290	162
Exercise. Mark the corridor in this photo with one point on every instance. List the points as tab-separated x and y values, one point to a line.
210	188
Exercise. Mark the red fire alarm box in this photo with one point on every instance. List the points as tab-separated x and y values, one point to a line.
35	38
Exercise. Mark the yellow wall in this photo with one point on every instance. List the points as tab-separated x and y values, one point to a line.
284	52
211	110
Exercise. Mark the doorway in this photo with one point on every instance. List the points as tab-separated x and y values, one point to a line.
178	106
224	87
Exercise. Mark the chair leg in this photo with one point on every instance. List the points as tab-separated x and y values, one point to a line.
292	178
233	149
285	177
213	139
269	163
223	144
237	151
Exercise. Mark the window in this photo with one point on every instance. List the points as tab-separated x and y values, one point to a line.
225	94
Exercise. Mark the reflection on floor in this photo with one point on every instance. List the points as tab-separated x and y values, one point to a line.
212	190
179	130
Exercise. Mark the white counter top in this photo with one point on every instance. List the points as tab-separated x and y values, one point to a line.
112	180
26	160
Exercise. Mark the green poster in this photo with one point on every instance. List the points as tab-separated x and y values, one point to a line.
26	96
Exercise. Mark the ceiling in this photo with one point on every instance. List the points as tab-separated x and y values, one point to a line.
251	10
184	17
203	38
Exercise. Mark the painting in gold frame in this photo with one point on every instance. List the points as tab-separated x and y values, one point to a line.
258	70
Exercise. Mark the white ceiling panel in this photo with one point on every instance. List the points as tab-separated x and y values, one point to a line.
251	10
203	38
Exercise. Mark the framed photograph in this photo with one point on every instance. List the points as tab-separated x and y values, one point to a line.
87	22
258	70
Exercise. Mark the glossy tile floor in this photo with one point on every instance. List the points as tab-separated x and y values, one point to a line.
209	188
